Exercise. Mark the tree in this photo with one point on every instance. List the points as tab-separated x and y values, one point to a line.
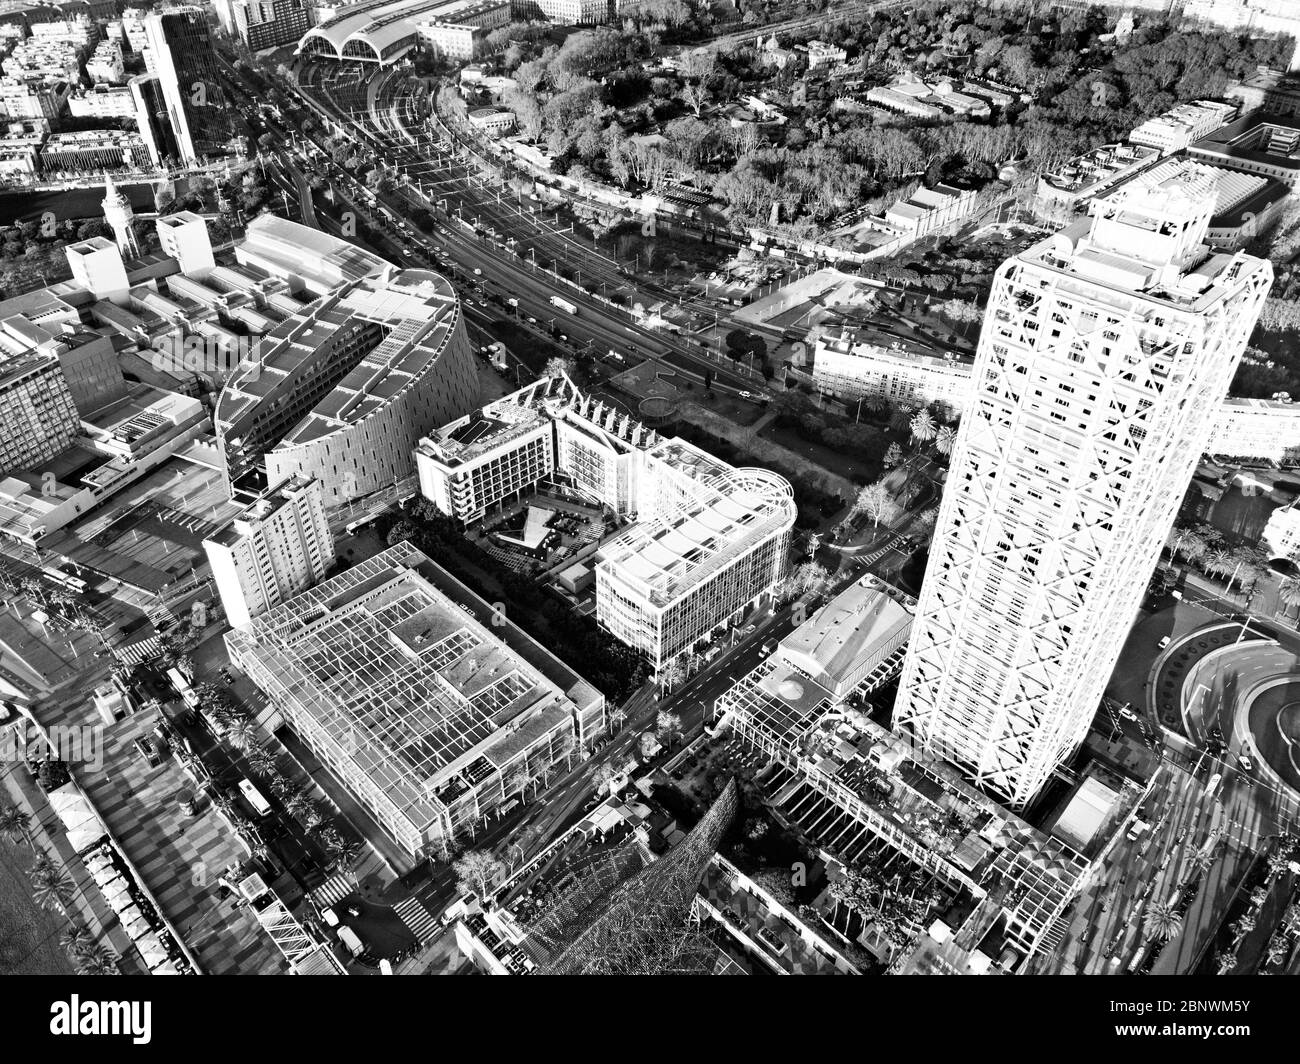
478	873
1162	921
876	501
520	780
52	888
77	940
604	775
922	427
808	578
560	367
617	718
15	824
240	735
925	521
98	960
668	727
944	439
893	456
1288	593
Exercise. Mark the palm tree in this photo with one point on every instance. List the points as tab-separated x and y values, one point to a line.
15	824
944	439
98	960
260	760
1226	961
1219	562
922	427
1162	921
52	888
1278	949
240	735
1288	592
77	940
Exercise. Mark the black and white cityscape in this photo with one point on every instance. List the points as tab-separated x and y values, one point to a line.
650	487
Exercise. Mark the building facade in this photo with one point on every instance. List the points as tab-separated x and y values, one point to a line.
278	545
38	419
189	79
1105	353
263	24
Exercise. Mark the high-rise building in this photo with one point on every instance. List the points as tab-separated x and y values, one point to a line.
263	24
185	62
38	419
1106	352
278	545
152	120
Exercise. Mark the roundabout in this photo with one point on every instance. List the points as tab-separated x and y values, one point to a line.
1247	693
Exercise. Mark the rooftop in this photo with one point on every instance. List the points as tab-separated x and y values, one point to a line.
414	690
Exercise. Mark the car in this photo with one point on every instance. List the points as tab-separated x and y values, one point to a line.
1245	763
465	608
746	395
532	321
1128	714
478	272
1163	643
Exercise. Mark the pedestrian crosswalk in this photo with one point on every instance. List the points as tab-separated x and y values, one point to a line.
334	889
138	652
422	923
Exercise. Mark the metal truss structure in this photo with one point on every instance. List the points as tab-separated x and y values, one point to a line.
623	916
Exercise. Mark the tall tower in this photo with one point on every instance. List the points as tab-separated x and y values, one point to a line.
120	217
1105	352
189	86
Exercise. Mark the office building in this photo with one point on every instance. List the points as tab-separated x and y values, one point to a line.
1105	354
425	713
712	542
38	419
188	77
344	388
265	24
278	545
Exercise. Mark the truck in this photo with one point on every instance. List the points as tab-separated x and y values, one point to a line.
564	305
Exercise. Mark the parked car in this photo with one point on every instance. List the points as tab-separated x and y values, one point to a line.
1163	643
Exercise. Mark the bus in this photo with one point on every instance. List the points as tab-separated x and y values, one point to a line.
254	798
62	579
183	688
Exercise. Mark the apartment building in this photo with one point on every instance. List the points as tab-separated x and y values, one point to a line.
278	545
38	419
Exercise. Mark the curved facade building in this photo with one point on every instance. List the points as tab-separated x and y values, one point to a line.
344	390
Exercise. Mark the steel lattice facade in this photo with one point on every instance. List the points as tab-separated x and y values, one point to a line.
1105	353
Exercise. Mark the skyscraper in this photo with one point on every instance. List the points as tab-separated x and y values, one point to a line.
1105	353
185	61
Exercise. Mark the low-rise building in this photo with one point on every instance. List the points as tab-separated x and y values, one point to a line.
1255	144
853	367
425	713
94	151
494	121
1066	192
820	54
103	101
1179	127
929	209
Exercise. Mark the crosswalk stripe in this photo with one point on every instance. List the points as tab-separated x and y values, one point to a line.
416	916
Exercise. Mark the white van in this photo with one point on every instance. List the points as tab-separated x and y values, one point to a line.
349	938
